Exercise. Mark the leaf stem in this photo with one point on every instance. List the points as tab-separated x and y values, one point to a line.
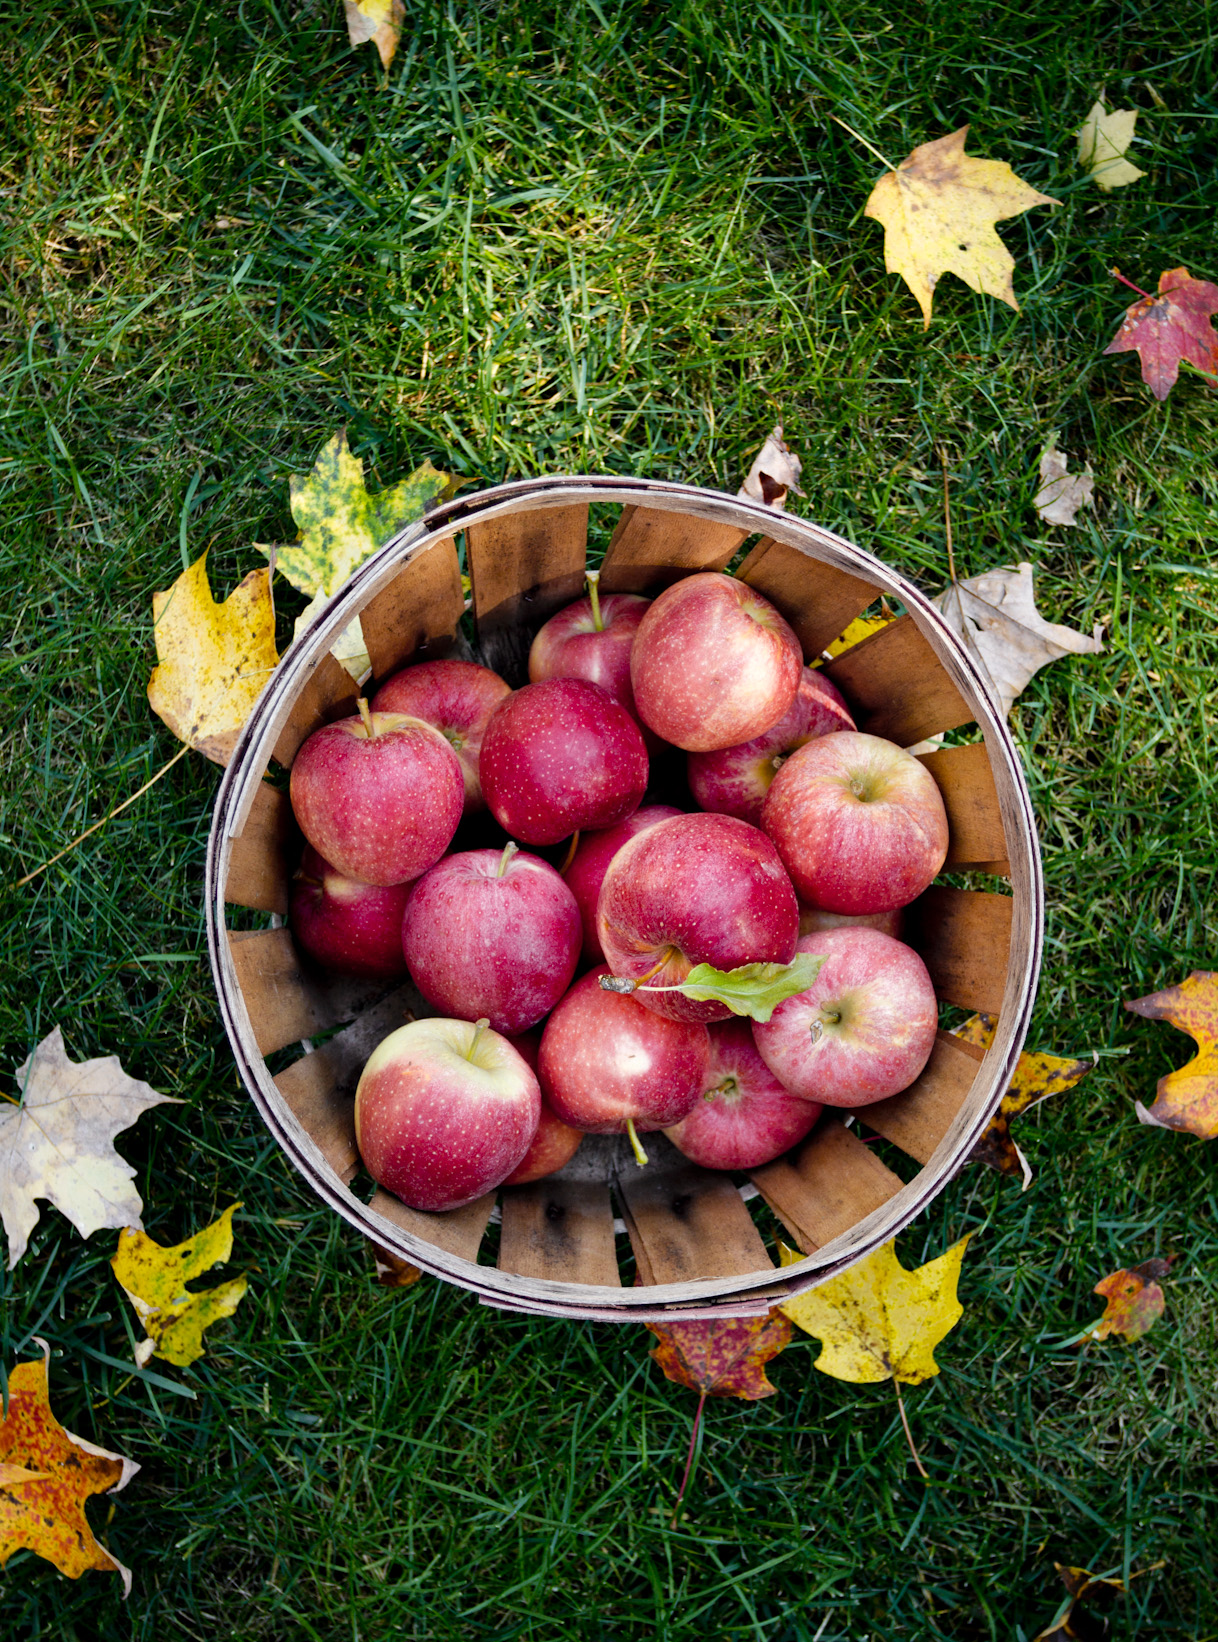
640	1156
1117	274
68	848
593	579
871	148
947	519
689	1458
922	1471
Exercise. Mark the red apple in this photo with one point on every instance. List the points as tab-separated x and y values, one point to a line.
859	823
379	796
745	1116
444	1111
608	1066
692	890
458	697
591	639
346	924
735	780
560	756
494	933
553	1146
865	1027
713	664
888	923
590	863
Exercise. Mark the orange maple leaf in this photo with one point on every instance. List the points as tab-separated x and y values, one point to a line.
46	1475
1135	1301
1188	1098
1167	328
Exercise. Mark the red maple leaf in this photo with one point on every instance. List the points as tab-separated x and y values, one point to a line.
1167	328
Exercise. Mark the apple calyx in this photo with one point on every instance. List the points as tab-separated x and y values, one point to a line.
592	577
754	990
509	849
369	727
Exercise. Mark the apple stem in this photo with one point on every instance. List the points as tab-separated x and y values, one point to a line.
509	849
640	1156
479	1028
593	578
369	727
570	855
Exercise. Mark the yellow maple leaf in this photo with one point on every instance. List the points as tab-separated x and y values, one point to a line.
878	1321
154	1279
46	1475
377	20
862	627
214	659
1037	1075
1187	1098
342	524
1102	141
939	208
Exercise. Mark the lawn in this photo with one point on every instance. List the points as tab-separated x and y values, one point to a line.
602	237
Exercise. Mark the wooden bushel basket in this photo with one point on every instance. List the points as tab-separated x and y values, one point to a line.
697	1249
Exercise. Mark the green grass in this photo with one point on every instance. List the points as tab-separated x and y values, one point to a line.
601	237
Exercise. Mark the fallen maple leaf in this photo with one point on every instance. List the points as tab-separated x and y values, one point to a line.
390	1270
154	1279
214	659
42	1509
878	1321
1167	328
1081	1584
1036	1077
1135	1301
775	472
58	1143
720	1357
1188	1098
377	20
862	627
1102	141
1061	493
341	525
939	208
995	615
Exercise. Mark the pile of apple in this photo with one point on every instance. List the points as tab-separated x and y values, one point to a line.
809	839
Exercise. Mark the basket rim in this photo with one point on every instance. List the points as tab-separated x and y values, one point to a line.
719	1296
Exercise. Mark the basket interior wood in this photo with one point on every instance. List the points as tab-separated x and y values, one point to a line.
681	1224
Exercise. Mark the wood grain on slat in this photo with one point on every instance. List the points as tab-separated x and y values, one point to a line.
456	1231
964	939
652	548
965	778
320	1088
415	617
827	1186
561	1230
258	873
897	686
917	1119
525	565
283	1006
817	600
689	1223
329	693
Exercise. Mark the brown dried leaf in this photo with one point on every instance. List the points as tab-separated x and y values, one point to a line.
1187	1099
58	1144
377	20
1080	1585
43	1510
1036	1077
392	1272
775	471
1061	493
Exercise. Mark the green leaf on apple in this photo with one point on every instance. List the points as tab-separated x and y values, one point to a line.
752	989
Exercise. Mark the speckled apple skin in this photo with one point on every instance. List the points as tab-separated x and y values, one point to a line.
590	863
889	1015
710	886
483	944
847	854
347	925
888	923
604	1058
385	809
560	756
553	1146
458	697
735	780
713	664
750	1122
569	646
436	1129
